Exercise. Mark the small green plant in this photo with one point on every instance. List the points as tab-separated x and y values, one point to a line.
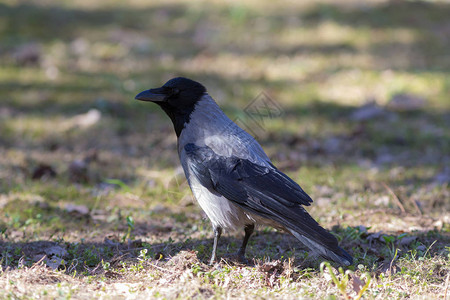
90	257
355	233
119	183
143	255
130	225
389	240
342	283
106	265
3	233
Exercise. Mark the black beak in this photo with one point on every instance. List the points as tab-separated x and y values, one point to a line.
152	95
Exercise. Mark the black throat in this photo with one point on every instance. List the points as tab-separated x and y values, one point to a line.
179	116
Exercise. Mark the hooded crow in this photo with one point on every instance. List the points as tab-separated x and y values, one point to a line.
231	177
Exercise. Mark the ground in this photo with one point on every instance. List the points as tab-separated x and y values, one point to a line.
350	99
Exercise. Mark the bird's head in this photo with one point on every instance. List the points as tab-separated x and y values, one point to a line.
177	97
177	93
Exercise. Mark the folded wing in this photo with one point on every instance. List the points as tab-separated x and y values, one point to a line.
264	191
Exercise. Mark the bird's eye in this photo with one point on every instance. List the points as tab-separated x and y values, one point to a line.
175	91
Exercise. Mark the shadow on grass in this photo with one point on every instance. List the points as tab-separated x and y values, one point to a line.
414	132
373	250
24	22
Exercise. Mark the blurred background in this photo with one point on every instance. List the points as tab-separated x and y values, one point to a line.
363	86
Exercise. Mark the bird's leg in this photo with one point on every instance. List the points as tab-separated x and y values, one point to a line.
248	232
217	234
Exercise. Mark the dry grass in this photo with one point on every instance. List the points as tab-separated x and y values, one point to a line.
92	199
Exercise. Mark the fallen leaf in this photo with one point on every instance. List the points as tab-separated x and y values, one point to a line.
111	274
81	210
272	270
88	119
389	267
374	236
56	250
83	121
406	102
111	242
78	171
54	262
407	240
366	112
362	228
356	283
28	54
134	243
421	248
272	266
43	171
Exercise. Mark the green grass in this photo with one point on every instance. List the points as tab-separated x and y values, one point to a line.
142	237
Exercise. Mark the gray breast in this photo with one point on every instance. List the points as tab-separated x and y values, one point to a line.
211	127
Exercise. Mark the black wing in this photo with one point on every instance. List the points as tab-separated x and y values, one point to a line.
264	191
268	180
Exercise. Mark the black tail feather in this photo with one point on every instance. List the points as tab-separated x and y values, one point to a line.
338	254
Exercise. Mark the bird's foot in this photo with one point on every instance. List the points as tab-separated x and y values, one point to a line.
237	257
211	262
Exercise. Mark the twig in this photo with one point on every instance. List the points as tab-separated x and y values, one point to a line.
73	266
446	287
428	249
94	270
397	200
161	269
133	249
416	206
38	262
